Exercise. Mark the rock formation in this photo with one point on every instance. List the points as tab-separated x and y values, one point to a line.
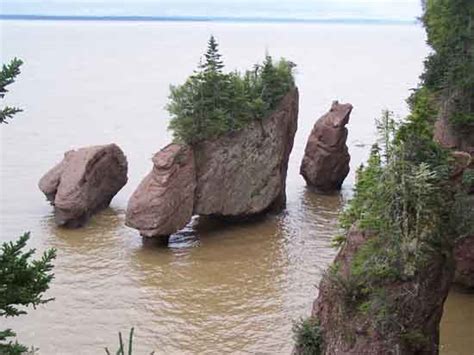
325	163
84	182
244	173
163	202
451	137
237	175
408	324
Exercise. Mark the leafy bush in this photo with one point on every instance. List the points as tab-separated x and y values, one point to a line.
211	102
402	201
307	335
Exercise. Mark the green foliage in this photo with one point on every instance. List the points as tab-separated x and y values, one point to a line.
211	103
402	201
307	335
7	76
449	70
23	282
122	349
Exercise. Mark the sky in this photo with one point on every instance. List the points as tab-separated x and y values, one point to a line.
404	10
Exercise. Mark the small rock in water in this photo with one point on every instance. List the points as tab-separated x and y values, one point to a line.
325	163
84	182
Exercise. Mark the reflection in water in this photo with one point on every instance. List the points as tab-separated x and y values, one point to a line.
235	271
247	278
86	239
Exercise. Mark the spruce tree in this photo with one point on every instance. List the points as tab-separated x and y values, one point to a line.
213	63
211	103
23	282
7	76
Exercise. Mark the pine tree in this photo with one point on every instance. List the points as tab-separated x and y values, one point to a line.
22	283
7	77
213	63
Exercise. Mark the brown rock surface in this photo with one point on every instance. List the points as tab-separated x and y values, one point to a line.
243	173
237	175
325	163
411	327
163	202
84	182
450	136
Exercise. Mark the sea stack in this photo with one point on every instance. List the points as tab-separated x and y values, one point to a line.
325	163
237	175
84	182
163	202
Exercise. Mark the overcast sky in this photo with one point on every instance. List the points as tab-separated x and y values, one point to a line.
301	9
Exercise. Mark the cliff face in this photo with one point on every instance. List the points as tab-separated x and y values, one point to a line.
452	137
237	175
462	140
407	324
326	159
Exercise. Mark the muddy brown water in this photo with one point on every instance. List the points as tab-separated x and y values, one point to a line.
216	288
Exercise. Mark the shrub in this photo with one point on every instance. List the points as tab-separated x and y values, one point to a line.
307	336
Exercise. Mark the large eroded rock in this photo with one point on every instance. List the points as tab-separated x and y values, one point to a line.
244	173
163	202
407	323
84	182
237	175
325	163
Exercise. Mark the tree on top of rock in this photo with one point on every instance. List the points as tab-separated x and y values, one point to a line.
213	63
211	102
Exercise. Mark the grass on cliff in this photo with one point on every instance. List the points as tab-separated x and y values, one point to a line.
211	103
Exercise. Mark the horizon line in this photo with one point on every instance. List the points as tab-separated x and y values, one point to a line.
206	19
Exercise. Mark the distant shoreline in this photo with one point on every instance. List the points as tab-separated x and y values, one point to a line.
205	19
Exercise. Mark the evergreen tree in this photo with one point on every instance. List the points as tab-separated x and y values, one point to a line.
23	283
211	102
7	77
213	63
